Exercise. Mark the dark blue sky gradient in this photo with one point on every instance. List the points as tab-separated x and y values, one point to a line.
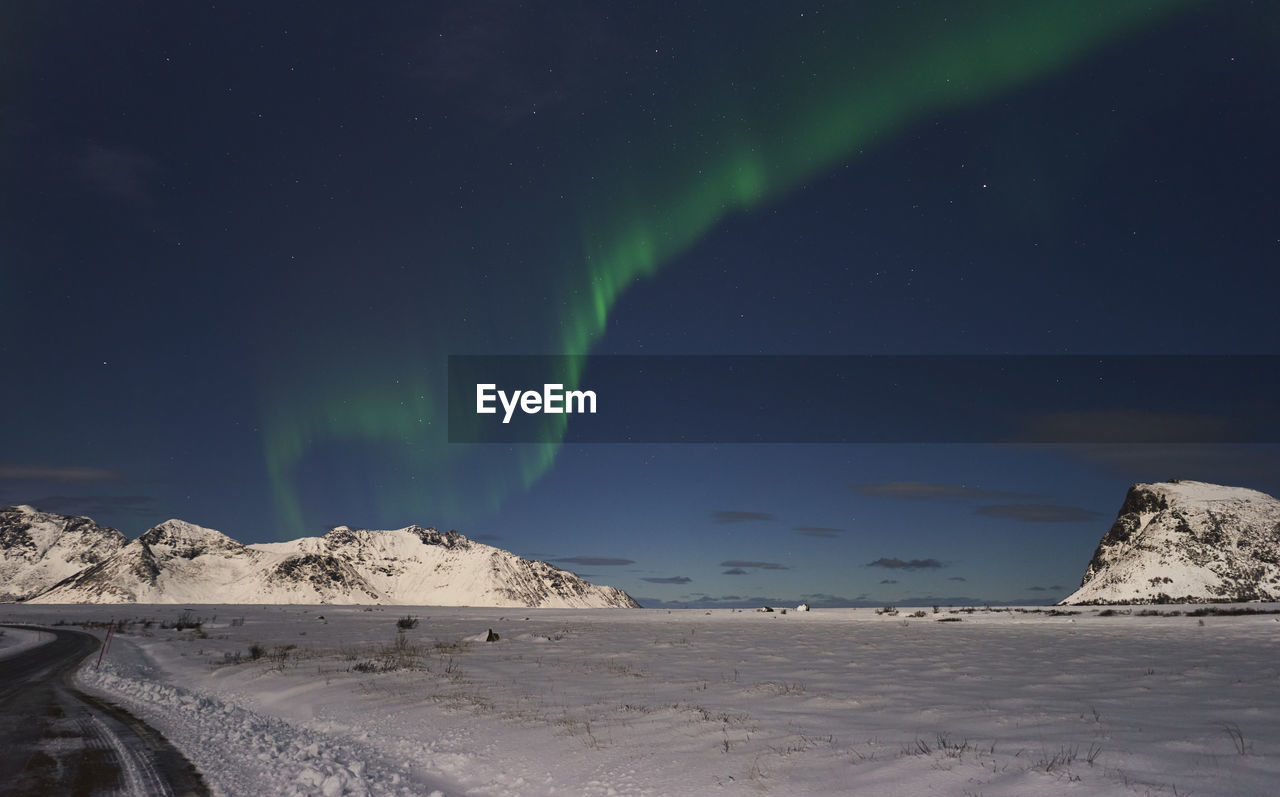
240	240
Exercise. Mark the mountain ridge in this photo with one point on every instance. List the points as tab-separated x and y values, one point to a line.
38	549
180	562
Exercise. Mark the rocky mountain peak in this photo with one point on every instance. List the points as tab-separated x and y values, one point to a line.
39	549
187	539
1189	541
180	562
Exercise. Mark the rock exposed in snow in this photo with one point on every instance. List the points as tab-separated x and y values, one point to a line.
39	549
1186	541
178	562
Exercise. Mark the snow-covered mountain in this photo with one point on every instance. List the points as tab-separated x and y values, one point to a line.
1185	541
178	562
427	567
39	549
174	562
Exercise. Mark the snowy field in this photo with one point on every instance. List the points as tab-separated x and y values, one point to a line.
339	700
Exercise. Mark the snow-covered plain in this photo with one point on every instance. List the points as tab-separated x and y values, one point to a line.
651	702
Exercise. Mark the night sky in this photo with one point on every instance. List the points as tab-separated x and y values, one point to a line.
239	241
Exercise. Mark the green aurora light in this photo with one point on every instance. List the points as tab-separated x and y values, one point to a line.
863	81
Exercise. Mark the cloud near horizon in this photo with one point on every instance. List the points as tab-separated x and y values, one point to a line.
668	580
928	491
57	473
739	516
1039	513
754	565
94	504
598	561
817	531
909	564
1224	463
1126	426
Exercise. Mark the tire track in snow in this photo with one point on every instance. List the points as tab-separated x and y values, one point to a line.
56	740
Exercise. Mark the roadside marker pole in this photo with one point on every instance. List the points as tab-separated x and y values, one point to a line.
106	643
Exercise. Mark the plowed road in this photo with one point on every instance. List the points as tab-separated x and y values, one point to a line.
55	739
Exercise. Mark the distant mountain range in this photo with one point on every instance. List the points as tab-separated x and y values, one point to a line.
1172	542
1187	542
48	558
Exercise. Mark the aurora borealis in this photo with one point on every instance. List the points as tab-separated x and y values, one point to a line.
242	242
657	200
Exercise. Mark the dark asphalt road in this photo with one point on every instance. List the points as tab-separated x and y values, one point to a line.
56	740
